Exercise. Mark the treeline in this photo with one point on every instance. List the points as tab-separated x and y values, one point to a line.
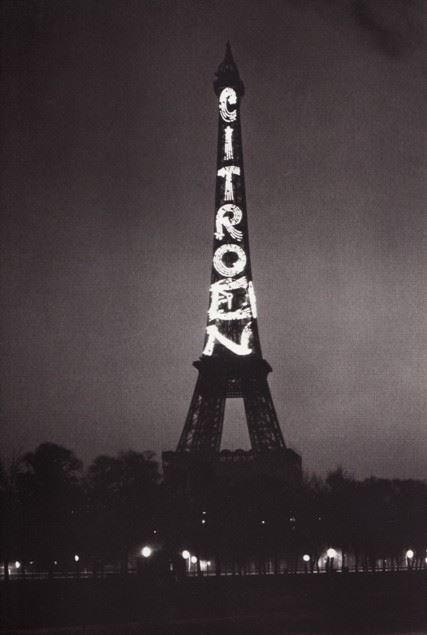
52	511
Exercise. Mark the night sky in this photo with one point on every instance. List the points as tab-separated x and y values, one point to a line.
108	155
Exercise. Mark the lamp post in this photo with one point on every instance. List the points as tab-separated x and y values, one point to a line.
77	564
331	555
194	560
144	564
186	555
409	559
306	560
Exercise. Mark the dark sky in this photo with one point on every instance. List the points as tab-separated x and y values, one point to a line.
108	153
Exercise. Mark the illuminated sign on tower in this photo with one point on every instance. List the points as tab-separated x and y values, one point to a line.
232	309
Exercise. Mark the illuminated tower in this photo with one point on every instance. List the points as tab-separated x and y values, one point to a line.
231	364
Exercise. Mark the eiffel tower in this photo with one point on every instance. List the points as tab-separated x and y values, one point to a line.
231	364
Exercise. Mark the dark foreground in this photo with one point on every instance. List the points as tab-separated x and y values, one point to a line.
334	603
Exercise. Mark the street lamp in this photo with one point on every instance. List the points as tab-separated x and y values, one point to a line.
186	555
409	556
77	560
306	560
331	554
17	564
193	560
146	552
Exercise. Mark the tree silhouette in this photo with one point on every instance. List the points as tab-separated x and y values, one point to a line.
48	488
11	517
122	494
50	512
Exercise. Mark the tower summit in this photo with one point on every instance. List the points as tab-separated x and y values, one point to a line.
231	364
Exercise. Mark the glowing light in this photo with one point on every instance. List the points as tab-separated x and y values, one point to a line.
306	557
221	294
76	558
331	553
193	559
228	147
228	96
203	522
227	173
146	552
185	554
55	562
228	222
263	522
17	564
238	265
252	299
238	349
410	554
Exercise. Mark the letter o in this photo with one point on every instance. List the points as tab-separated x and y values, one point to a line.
228	96
236	268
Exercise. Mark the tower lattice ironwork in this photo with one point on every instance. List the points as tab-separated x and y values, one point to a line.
231	364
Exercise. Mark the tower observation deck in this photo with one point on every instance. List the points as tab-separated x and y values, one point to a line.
231	364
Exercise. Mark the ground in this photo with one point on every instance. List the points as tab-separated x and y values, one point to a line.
334	603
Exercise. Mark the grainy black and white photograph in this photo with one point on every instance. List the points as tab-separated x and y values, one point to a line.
213	317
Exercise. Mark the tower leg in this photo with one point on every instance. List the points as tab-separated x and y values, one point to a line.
263	425
203	426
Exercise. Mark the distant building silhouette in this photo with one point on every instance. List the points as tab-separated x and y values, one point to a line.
231	365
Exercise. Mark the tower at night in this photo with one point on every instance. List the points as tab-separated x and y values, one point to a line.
231	364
